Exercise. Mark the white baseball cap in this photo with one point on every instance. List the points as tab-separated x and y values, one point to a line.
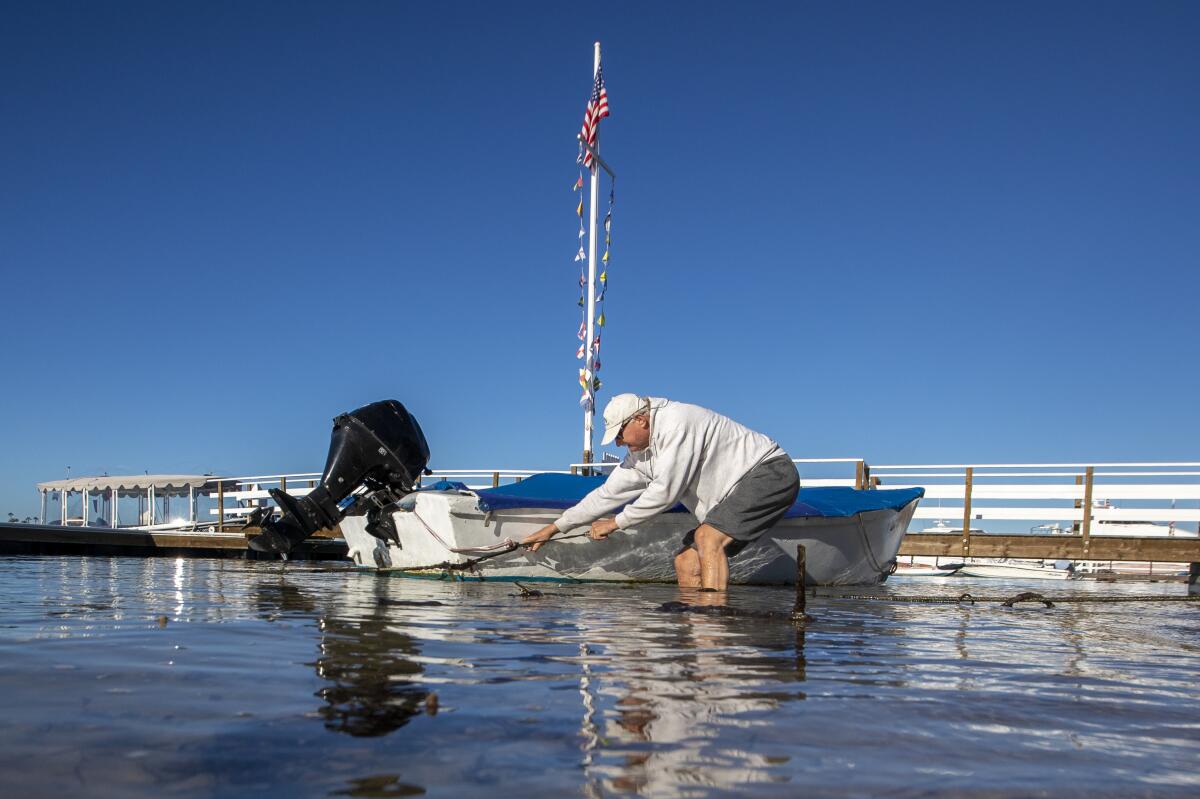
619	410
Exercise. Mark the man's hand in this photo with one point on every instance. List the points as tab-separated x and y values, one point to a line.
535	541
602	529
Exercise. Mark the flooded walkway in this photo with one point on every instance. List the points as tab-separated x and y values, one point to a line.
131	677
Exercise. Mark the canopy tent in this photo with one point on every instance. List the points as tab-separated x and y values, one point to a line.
564	490
135	482
149	488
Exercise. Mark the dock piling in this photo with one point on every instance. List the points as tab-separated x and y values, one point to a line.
798	614
968	481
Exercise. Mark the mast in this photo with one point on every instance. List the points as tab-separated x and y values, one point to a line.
589	412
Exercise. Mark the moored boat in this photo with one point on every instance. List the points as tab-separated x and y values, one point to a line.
850	536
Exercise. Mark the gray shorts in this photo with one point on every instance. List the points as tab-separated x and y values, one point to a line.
755	504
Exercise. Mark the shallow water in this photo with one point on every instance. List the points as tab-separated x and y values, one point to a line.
156	677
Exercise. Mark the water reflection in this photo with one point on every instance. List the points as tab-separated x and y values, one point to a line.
587	689
364	657
368	665
668	691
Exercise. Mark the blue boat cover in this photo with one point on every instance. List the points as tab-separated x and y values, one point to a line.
561	491
445	485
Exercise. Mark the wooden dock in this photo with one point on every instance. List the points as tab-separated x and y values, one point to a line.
51	539
1053	547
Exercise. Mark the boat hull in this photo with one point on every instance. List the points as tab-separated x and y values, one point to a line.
1010	570
852	550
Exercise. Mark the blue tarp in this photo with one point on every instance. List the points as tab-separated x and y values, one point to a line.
561	491
445	485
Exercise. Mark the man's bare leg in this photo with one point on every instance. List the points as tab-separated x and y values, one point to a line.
687	568
714	565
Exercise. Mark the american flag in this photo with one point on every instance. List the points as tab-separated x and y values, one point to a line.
597	109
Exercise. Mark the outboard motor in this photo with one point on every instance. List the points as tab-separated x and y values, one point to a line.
379	447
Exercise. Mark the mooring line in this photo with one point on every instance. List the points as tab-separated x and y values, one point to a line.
469	564
1028	596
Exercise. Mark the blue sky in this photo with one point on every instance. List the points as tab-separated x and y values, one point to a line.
918	232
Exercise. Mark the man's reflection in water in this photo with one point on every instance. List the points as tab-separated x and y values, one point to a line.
672	688
364	658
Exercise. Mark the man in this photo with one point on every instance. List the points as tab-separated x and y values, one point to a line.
737	483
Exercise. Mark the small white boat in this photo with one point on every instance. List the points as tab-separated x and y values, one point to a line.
850	536
919	570
1129	529
1013	569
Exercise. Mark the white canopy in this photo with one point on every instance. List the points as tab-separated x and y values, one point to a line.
134	482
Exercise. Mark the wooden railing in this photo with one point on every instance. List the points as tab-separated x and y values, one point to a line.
1049	510
1078	511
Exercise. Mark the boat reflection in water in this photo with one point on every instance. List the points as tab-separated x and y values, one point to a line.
365	658
367	663
149	678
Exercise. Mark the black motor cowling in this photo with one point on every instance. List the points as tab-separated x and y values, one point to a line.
379	447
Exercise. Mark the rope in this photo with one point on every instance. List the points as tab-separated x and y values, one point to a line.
485	553
1028	596
499	548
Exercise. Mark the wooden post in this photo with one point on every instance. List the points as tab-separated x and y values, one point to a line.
966	528
495	479
574	470
283	484
1078	504
1193	580
798	608
1086	529
220	506
858	475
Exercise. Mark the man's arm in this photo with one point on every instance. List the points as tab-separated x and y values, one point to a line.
678	460
623	485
